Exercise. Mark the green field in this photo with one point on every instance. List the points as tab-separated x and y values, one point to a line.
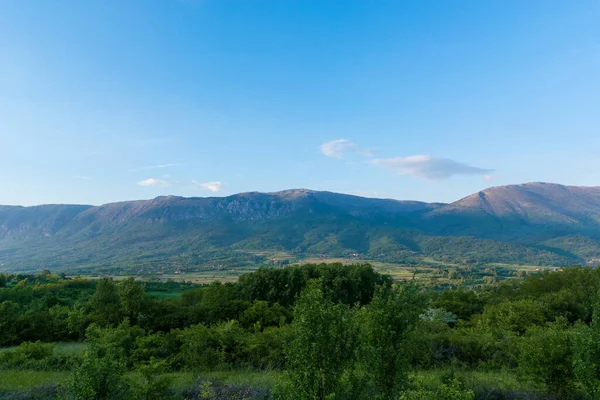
480	382
17	380
428	271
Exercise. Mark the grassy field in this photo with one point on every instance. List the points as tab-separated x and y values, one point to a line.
62	348
17	380
429	271
70	349
480	382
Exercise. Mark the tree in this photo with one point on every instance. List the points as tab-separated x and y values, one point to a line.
105	303
513	316
321	358
154	384
101	373
387	323
546	357
9	318
200	349
586	354
261	314
131	298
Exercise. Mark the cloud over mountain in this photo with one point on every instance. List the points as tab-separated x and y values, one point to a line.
429	168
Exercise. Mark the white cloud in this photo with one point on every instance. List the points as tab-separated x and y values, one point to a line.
364	193
154	182
338	148
215	187
82	177
429	168
155	167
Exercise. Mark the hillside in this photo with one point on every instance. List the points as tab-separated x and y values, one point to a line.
534	223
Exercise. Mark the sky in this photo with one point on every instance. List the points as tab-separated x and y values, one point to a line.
110	100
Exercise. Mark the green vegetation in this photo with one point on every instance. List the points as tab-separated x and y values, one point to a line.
328	331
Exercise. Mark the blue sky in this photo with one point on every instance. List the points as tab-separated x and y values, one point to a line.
114	100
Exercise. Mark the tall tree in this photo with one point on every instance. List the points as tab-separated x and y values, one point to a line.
386	326
586	354
131	297
106	303
321	356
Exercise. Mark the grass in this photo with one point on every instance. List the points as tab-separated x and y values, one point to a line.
165	295
255	379
17	379
11	380
482	382
62	348
478	381
70	348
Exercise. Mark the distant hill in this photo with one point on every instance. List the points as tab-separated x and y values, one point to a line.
533	223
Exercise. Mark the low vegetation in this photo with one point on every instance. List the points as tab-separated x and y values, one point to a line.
327	331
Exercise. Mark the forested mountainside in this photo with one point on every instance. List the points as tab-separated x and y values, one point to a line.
533	223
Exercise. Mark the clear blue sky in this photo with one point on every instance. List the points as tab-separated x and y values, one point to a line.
113	100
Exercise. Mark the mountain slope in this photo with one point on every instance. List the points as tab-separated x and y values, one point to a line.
530	223
541	203
526	213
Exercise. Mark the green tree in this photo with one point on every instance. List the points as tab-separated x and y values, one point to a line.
546	356
119	341
100	375
586	354
514	316
321	357
106	303
131	298
154	385
200	349
262	314
9	318
387	324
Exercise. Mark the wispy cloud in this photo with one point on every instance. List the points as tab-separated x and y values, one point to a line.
154	182
364	193
340	147
214	187
429	168
82	177
160	166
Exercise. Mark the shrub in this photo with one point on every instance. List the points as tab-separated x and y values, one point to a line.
546	356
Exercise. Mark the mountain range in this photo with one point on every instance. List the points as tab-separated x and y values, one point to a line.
532	223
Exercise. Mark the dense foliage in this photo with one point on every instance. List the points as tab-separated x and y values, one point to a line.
330	332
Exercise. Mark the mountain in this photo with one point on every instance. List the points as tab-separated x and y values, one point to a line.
536	203
533	223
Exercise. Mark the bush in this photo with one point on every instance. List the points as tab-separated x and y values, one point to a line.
35	356
204	389
546	356
100	376
200	349
154	384
451	390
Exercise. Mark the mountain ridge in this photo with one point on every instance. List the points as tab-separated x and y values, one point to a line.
537	222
